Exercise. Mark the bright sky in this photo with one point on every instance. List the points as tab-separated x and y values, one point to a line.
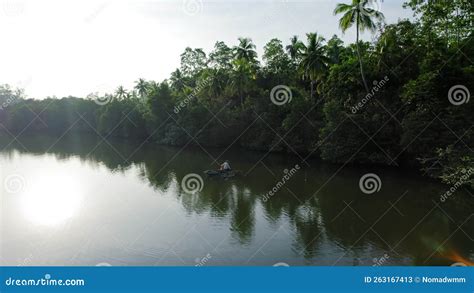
75	47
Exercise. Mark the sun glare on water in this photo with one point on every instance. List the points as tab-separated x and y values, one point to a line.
51	200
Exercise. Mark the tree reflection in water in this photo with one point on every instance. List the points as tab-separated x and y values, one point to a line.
315	208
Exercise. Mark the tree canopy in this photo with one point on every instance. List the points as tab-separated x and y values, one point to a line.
402	99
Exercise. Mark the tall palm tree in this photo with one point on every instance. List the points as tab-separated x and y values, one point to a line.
216	81
314	62
294	48
153	88
177	80
130	95
120	92
245	50
241	76
142	87
363	17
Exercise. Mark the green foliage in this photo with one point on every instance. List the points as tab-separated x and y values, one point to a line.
454	165
451	20
384	102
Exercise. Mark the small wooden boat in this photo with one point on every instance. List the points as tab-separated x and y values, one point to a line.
222	174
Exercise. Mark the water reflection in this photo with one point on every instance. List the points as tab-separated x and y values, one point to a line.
51	199
316	218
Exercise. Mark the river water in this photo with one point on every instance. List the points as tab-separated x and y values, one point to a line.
87	201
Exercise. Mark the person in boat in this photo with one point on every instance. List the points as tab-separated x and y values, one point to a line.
225	167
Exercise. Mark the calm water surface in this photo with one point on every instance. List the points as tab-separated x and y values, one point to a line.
84	201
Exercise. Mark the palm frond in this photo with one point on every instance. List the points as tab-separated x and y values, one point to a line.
341	8
347	20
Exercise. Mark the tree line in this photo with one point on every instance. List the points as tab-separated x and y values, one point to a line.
402	99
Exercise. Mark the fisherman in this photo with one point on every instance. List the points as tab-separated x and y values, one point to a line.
225	167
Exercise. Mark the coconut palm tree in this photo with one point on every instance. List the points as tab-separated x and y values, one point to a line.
245	50
142	87
241	77
364	18
177	80
154	85
120	92
215	81
294	48
314	61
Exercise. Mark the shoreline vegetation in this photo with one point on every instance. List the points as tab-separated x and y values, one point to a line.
402	99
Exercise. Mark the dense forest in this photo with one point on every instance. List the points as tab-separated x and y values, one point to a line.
402	99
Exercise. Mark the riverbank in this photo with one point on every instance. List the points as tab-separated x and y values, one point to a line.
44	143
139	207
